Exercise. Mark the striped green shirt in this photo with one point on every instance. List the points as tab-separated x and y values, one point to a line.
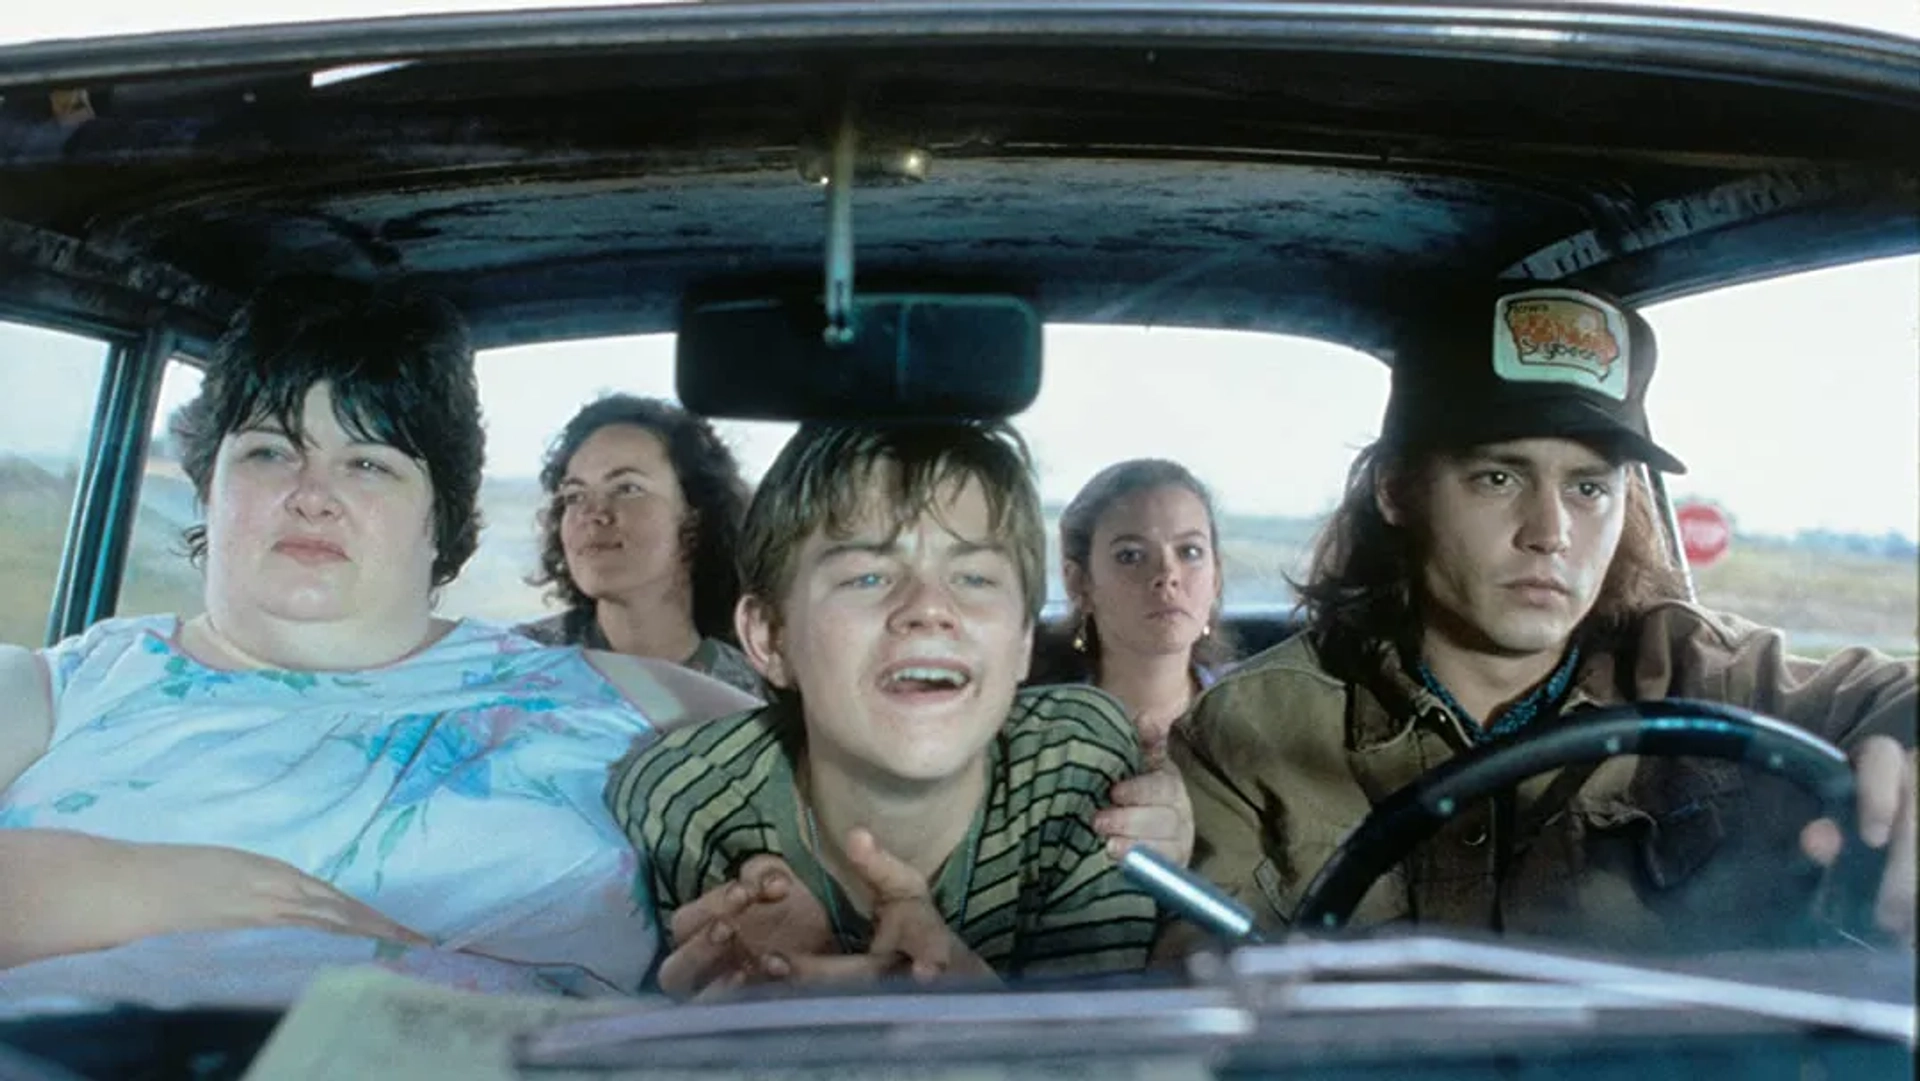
1040	896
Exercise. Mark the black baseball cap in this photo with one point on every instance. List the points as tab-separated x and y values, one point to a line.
1525	363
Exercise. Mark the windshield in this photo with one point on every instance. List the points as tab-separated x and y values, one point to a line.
1348	788
1822	513
1107	396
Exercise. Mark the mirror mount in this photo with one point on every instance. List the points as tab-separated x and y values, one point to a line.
841	327
887	357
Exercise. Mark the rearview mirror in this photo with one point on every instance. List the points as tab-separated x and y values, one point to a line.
913	357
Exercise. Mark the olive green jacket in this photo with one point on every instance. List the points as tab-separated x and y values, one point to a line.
1282	760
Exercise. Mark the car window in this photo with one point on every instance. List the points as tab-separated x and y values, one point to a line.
51	381
159	578
1269	422
1822	511
1792	402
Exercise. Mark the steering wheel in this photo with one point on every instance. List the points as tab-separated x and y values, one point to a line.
1668	728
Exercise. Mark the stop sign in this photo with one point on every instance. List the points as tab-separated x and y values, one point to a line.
1705	532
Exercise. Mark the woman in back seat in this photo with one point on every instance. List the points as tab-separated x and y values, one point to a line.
638	538
1140	553
317	749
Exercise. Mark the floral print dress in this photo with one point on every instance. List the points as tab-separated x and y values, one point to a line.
458	791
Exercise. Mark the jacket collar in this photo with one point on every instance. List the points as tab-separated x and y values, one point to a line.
1392	703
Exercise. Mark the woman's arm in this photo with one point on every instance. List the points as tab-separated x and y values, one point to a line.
26	712
63	892
668	694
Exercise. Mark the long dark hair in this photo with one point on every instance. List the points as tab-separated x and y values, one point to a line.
1359	593
1058	657
400	367
710	484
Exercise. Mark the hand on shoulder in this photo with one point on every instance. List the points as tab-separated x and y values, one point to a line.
1151	808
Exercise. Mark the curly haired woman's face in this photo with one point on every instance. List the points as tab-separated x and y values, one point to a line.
621	514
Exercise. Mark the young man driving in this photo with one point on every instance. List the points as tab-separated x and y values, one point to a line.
898	808
1496	566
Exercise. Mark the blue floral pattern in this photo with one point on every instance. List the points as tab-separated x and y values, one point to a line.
458	790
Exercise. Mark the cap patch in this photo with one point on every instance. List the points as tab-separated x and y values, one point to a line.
1561	336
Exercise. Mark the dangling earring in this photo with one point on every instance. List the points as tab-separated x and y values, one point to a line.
1080	633
1206	629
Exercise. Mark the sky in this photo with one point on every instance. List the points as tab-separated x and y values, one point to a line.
1795	402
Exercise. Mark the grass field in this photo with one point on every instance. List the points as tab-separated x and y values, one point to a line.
1823	599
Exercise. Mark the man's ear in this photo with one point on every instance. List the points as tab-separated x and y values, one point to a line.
758	628
1386	500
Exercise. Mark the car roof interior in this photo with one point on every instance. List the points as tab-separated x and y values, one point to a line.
1353	160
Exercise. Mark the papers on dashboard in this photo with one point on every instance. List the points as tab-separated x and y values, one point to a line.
372	1025
368	1024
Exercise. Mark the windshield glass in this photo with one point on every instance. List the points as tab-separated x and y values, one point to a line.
1823	508
1237	414
606	741
1822	512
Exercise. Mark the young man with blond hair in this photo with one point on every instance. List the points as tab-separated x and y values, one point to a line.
901	807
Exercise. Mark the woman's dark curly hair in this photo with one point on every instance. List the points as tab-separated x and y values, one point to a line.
710	483
400	367
1359	593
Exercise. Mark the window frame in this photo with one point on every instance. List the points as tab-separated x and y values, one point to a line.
107	495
